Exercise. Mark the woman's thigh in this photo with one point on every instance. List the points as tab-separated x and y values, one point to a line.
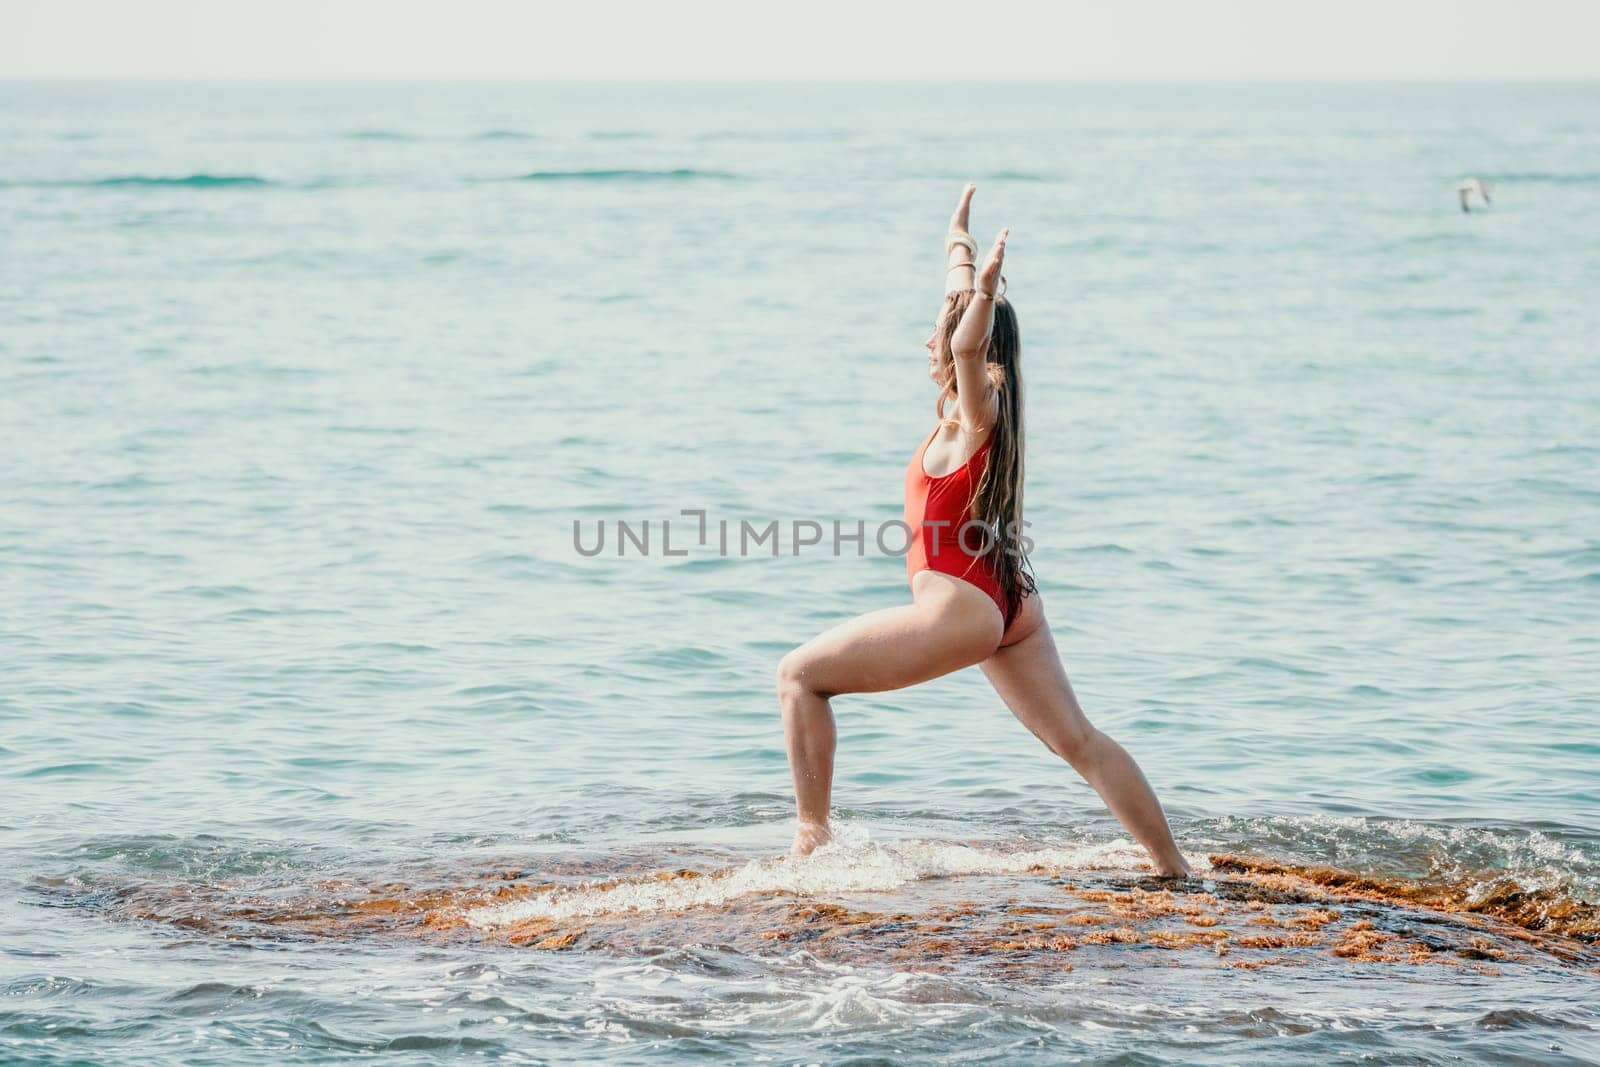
942	631
1029	677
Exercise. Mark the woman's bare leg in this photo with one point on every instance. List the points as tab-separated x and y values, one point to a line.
1029	677
951	625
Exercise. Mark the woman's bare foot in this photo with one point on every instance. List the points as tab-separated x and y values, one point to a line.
1178	868
809	836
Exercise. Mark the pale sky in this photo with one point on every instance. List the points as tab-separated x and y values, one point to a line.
714	40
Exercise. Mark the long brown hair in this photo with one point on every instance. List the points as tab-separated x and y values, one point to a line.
997	499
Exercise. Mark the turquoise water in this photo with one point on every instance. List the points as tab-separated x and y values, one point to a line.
303	388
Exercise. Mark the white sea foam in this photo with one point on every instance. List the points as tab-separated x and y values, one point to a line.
851	864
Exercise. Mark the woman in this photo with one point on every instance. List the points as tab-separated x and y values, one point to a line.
972	599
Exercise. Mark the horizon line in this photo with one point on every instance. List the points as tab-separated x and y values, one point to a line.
1324	80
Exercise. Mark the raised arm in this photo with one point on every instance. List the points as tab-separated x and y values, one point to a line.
961	252
970	343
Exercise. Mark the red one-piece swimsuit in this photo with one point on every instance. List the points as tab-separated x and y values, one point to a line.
936	509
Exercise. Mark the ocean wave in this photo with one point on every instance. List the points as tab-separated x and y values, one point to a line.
1466	854
504	135
1550	178
776	136
1019	176
626	174
188	181
377	135
205	180
850	865
191	181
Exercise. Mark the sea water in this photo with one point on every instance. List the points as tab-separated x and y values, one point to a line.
305	389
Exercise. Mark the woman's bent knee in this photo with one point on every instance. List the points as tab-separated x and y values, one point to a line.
791	674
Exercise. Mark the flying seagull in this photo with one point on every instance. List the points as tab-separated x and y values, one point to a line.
1468	188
